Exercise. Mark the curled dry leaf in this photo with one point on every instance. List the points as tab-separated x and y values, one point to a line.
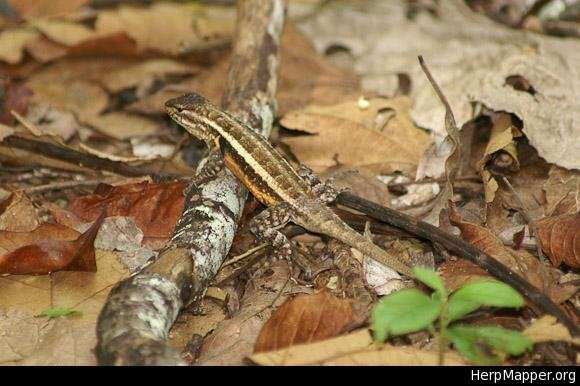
501	139
522	262
562	190
305	319
559	237
48	248
155	207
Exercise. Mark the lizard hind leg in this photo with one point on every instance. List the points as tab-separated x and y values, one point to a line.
325	191
265	226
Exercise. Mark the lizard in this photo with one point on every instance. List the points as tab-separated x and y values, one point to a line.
289	194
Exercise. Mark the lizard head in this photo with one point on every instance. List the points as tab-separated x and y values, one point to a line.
191	111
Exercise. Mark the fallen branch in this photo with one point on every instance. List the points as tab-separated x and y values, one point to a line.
135	321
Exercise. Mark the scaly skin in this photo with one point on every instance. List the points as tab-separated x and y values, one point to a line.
267	175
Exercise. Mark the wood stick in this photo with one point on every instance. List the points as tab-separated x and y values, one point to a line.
75	157
134	323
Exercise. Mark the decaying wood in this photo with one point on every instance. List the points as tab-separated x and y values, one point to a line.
136	319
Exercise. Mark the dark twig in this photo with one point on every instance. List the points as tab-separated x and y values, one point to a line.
75	157
460	248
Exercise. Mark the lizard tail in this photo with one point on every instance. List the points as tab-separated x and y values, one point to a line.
331	225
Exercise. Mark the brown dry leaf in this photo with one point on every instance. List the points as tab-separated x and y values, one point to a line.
234	338
82	97
201	323
363	184
16	97
145	72
562	191
163	27
522	262
114	44
559	237
29	9
44	50
386	139
64	32
17	214
155	207
13	42
547	329
354	349
305	319
455	273
48	249
122	125
326	84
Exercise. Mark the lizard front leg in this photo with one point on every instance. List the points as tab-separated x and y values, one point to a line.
265	226
324	190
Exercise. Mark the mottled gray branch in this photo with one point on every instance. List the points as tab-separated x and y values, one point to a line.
134	324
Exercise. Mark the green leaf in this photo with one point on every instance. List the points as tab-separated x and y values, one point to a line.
56	312
481	345
405	311
471	296
431	279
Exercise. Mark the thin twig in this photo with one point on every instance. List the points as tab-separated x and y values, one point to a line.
460	248
244	255
63	185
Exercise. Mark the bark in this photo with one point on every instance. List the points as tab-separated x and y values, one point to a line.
134	323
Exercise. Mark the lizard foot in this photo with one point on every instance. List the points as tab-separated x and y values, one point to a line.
266	227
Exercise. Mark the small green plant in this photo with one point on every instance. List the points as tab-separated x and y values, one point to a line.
56	312
411	310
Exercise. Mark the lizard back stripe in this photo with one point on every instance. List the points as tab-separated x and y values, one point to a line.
274	171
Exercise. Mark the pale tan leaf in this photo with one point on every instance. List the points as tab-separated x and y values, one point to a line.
18	214
63	32
546	329
162	27
318	352
122	125
148	71
384	135
12	43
